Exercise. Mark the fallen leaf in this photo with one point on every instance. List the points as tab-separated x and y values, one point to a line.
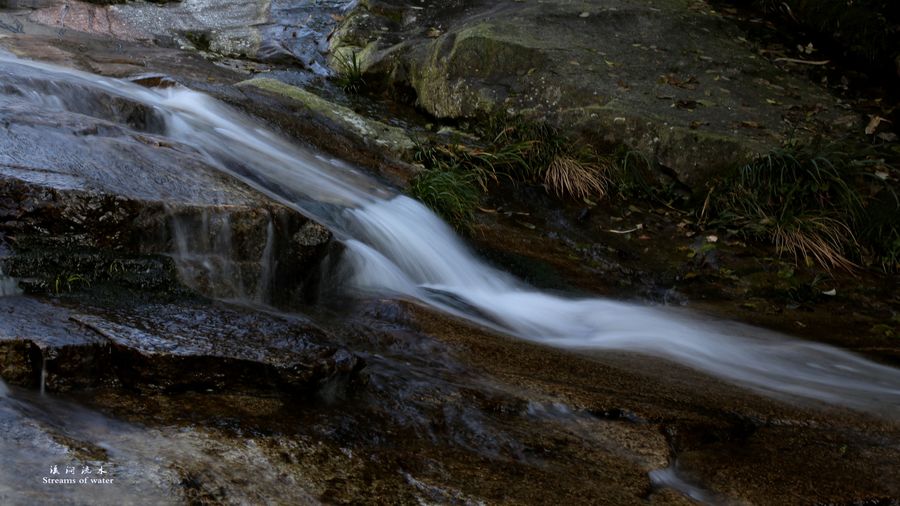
673	80
873	124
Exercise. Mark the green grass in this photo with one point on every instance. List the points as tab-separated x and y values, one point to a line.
349	71
450	192
69	282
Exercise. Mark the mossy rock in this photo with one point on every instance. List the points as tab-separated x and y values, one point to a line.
692	92
371	131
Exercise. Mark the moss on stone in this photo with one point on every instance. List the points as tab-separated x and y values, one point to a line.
392	138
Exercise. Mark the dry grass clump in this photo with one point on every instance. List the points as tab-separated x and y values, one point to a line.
569	176
817	240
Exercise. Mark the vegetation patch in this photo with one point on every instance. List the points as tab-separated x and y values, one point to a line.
450	192
462	169
816	204
349	71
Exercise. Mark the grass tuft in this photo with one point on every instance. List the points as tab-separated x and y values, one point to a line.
349	71
568	176
451	193
813	203
817	240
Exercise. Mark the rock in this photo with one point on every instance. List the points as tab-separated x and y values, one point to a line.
165	346
669	78
90	18
280	30
374	133
86	198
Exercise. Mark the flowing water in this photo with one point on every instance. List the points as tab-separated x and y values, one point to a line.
397	247
8	286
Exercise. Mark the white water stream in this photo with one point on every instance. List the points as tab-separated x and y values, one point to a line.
397	247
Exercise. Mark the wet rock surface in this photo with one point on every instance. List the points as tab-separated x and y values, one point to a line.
166	346
324	126
444	412
101	194
721	440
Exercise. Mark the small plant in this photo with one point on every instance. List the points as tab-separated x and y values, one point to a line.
349	71
890	257
115	267
634	173
449	192
880	228
69	281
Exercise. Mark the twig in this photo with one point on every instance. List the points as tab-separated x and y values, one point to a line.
807	62
635	229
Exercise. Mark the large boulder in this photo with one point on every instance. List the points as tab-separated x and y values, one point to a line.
670	78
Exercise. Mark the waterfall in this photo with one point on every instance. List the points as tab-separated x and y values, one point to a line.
396	246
